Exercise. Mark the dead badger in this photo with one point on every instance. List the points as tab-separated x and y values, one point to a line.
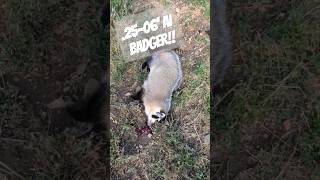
164	77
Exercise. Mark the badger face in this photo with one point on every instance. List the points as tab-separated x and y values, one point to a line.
155	116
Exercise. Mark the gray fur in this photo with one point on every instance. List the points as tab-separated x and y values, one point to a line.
164	78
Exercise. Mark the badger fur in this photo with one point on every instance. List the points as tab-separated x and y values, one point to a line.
164	77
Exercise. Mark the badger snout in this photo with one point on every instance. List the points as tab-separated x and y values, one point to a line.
151	121
155	117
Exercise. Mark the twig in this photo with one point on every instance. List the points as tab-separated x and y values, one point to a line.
281	83
186	177
255	158
3	82
310	11
283	86
247	173
228	169
11	170
191	95
231	90
306	119
276	136
286	165
197	133
11	139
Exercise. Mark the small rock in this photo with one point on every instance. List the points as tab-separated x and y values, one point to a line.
149	135
81	69
43	114
58	103
287	125
207	139
66	89
135	84
265	136
16	79
127	94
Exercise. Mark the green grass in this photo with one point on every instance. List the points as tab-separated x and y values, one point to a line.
167	2
204	4
141	76
185	158
120	8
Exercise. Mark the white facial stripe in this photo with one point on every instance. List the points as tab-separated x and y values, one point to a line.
152	120
161	114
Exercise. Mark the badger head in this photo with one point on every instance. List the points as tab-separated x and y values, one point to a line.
153	116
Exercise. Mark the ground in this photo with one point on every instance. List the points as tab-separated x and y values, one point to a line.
179	147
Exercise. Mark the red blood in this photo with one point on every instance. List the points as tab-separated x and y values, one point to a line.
144	130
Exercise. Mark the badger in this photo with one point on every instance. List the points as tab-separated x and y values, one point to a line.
164	77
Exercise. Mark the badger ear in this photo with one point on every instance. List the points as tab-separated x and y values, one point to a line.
138	94
146	64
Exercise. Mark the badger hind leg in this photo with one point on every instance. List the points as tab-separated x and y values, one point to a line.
137	95
179	86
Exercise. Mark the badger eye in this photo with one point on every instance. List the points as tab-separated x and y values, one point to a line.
154	116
